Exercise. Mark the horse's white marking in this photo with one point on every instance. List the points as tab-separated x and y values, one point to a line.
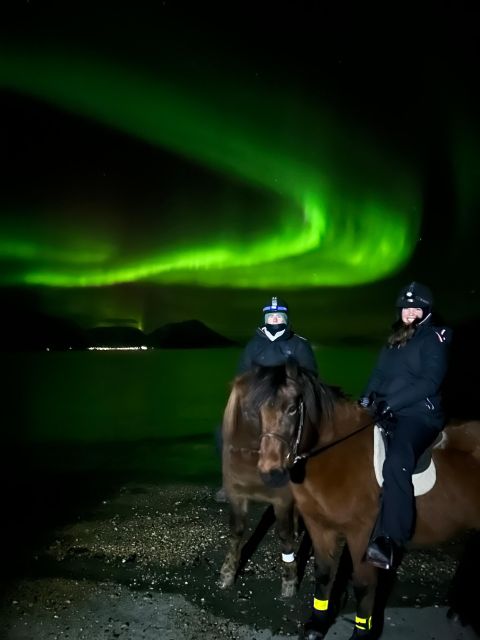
288	557
422	482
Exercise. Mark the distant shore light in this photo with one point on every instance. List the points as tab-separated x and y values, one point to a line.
142	348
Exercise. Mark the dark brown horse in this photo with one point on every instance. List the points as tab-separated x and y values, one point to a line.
241	434
336	491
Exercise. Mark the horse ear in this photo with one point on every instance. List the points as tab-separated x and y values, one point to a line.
291	368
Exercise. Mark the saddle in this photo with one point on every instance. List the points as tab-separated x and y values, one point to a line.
425	474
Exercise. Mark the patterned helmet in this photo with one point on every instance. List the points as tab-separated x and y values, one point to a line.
415	295
275	305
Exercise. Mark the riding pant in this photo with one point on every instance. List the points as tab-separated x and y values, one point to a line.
411	436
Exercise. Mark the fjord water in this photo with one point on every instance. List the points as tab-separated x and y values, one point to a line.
139	410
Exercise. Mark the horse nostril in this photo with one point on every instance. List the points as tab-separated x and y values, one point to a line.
275	478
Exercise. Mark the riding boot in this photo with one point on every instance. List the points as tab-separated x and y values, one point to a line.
383	553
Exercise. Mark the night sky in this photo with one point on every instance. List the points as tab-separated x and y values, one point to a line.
168	163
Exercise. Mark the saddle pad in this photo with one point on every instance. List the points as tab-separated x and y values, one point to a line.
422	482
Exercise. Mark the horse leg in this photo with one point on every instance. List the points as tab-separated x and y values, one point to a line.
365	577
328	548
238	519
285	528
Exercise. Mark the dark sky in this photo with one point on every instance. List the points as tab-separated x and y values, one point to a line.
163	162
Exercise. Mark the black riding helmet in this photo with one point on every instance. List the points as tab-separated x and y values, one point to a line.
415	295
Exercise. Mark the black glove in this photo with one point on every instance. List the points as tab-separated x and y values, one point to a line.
364	401
383	411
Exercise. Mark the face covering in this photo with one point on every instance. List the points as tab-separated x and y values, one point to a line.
274	331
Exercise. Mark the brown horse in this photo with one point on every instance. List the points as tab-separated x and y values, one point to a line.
241	433
331	439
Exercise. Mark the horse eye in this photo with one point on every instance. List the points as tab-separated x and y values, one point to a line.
292	409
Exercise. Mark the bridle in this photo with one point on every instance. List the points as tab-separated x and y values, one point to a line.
291	452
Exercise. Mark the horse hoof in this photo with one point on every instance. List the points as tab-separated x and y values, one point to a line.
225	581
312	634
359	634
314	630
457	617
289	589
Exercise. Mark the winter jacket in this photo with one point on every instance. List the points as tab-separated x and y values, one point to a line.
261	351
409	377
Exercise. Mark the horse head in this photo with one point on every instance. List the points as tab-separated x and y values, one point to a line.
289	402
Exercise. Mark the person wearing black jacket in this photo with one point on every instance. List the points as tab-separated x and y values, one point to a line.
274	342
272	345
404	392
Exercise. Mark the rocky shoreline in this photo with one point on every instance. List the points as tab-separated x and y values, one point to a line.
142	561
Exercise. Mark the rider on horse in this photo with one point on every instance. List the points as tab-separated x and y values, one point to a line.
274	342
404	390
272	345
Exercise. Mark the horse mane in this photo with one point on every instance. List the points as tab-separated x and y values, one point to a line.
319	398
263	383
339	393
231	413
240	418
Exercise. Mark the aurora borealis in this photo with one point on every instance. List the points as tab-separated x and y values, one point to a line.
309	229
176	157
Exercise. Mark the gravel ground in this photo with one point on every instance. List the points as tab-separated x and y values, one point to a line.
142	562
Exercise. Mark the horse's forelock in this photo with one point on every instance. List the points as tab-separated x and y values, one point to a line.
263	383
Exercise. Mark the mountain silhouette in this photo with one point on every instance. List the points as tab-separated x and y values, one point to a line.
189	334
39	332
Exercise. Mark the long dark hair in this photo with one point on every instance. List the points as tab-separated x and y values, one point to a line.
402	333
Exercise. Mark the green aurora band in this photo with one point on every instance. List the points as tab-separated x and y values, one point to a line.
346	213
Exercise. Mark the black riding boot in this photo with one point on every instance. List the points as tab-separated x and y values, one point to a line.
383	553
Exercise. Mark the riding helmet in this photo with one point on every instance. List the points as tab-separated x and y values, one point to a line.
275	305
416	295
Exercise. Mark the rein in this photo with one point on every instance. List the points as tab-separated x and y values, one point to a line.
303	457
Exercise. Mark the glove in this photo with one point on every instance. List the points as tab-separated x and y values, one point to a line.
364	401
383	411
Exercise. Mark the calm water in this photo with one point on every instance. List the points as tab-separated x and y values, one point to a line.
135	410
104	396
